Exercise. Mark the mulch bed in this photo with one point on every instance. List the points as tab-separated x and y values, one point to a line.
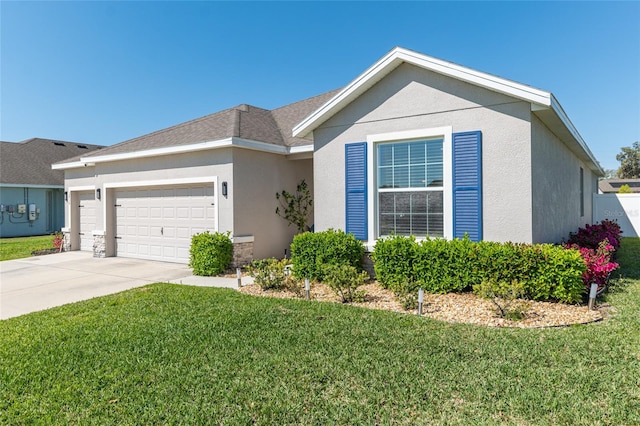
45	251
453	307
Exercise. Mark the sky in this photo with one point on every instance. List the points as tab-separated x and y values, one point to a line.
105	72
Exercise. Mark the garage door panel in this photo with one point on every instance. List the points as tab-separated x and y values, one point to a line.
158	223
87	215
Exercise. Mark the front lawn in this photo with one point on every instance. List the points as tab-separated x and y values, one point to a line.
19	247
169	354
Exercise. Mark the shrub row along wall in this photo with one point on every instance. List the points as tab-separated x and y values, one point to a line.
548	272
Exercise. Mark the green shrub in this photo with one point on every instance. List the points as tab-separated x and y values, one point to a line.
210	254
393	262
269	273
505	296
547	272
344	280
310	252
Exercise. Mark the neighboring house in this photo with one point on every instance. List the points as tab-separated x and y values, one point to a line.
414	145
31	193
146	197
612	186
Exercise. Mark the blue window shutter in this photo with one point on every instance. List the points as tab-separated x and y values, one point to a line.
467	185
356	189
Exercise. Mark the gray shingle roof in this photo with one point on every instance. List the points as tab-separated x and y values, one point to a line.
29	162
609	186
243	121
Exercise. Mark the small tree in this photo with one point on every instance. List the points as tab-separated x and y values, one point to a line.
629	160
295	208
625	189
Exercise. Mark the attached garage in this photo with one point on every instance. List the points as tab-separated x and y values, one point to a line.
87	215
157	223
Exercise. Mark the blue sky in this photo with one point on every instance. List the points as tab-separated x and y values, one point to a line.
104	72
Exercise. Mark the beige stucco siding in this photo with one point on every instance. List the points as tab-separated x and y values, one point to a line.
556	187
258	176
145	172
411	98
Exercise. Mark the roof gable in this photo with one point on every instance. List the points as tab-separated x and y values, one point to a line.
540	100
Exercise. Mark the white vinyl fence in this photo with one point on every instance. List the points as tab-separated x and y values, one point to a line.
621	208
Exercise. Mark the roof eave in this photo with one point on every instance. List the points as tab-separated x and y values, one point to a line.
181	149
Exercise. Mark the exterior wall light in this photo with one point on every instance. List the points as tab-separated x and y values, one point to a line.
66	196
98	194
225	189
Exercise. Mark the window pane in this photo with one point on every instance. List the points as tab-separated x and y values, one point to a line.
419	224
387	226
417	177
434	151
434	202
386	203
403	224
435	226
434	175
417	152
385	155
400	154
385	177
401	177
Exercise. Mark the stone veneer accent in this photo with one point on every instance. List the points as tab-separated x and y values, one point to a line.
242	254
66	243
99	246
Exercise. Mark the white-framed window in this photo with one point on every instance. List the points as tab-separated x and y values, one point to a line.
410	183
410	188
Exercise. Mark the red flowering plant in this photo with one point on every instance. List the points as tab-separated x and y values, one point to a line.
599	264
591	235
58	241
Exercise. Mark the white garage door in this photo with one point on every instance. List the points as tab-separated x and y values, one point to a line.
157	223
87	213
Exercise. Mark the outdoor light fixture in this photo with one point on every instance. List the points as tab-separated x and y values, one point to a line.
224	189
98	194
66	196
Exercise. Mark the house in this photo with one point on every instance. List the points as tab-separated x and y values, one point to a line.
612	186
414	145
146	197
31	193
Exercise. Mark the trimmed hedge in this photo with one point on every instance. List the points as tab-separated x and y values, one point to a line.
210	254
311	251
548	272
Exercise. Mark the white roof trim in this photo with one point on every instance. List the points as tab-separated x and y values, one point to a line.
398	56
557	108
71	165
216	144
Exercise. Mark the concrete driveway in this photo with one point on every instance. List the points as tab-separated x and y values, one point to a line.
41	282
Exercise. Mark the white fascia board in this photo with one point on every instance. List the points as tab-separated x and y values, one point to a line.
180	149
557	108
300	149
28	185
399	55
66	166
259	146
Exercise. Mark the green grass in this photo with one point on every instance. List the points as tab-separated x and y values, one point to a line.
168	354
17	248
